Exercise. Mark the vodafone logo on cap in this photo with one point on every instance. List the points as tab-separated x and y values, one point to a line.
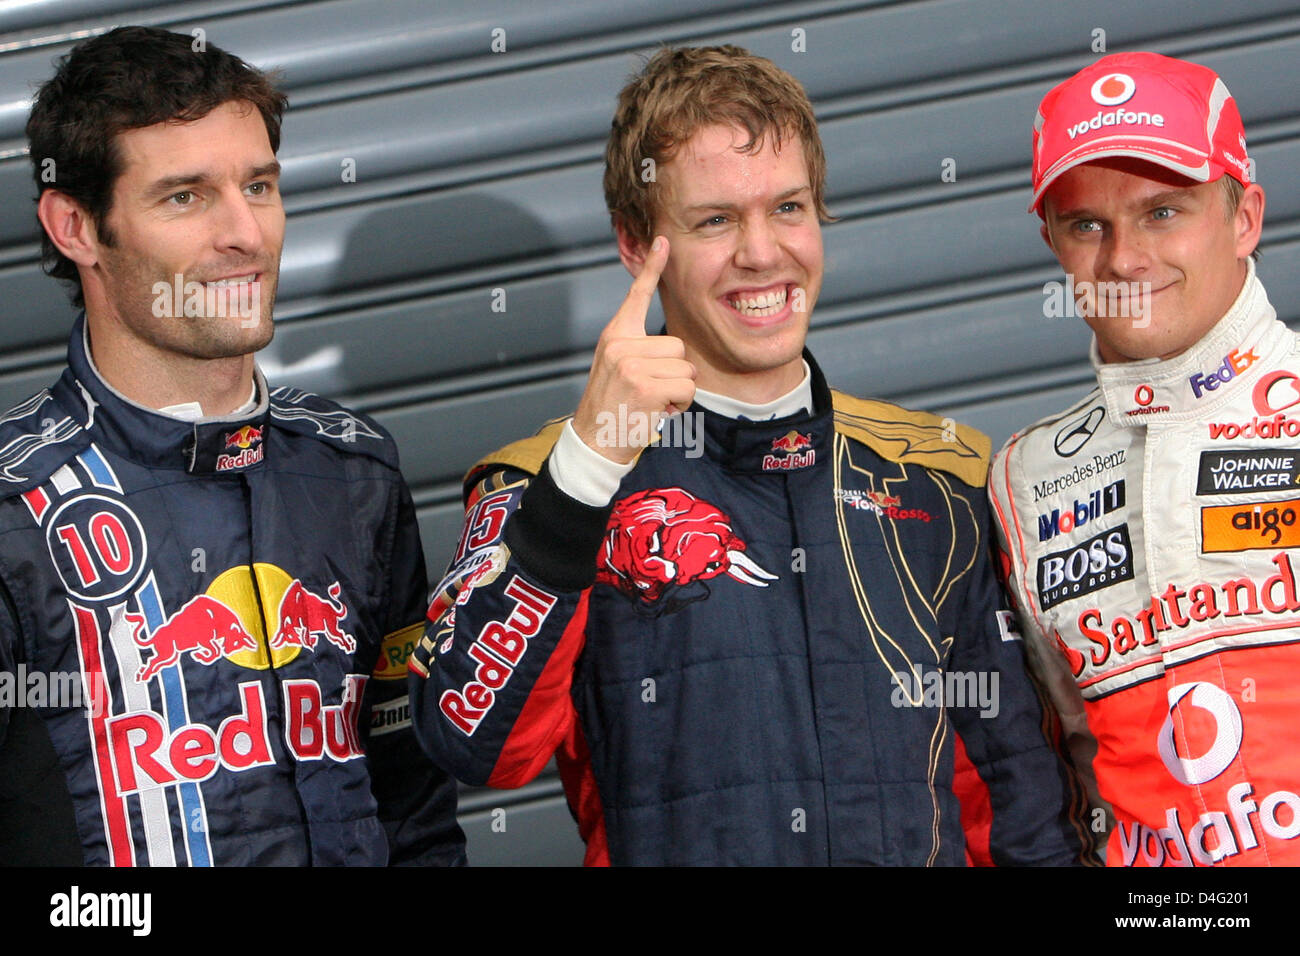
1113	89
1227	737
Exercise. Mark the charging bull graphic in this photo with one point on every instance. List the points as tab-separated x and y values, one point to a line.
204	628
663	540
306	616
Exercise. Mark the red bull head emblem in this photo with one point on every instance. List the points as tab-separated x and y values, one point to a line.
884	500
662	541
242	439
204	628
792	450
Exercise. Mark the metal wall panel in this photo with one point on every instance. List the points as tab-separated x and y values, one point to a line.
478	171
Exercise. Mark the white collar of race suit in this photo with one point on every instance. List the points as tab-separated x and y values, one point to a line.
1201	380
798	399
193	411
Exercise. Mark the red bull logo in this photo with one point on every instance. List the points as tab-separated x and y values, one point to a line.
204	628
882	500
306	616
243	439
147	756
663	539
500	647
226	622
792	447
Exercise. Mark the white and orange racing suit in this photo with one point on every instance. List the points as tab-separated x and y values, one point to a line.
1150	537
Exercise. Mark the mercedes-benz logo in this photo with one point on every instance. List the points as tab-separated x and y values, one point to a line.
1075	433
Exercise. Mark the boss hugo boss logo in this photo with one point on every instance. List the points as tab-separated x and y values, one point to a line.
1233	470
1099	562
1074	434
1250	527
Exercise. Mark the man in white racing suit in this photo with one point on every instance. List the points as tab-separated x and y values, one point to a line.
1148	529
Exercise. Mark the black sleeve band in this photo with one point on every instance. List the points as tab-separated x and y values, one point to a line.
557	537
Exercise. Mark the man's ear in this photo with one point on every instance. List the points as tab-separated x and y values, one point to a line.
631	251
1248	221
69	227
1047	237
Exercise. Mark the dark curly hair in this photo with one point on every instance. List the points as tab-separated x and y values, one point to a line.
128	78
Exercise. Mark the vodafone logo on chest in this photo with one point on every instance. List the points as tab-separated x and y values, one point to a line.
1273	396
1225	830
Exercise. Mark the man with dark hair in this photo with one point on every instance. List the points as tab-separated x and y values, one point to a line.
1149	529
736	627
213	583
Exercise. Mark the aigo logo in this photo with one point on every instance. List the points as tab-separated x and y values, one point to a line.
1214	700
1113	89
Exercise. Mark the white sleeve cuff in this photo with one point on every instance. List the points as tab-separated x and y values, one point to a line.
583	473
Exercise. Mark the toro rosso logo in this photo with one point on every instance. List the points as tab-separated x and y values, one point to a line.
663	543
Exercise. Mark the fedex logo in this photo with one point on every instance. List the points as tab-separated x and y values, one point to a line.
497	651
1234	363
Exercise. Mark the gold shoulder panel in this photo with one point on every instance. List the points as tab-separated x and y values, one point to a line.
527	454
917	438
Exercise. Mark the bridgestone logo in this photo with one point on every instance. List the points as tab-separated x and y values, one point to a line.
1097	563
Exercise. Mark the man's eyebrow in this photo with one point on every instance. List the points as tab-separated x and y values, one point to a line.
1146	202
170	184
701	206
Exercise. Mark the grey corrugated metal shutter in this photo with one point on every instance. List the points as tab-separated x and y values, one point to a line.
478	171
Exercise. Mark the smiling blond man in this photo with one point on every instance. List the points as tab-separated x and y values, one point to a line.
740	650
1149	529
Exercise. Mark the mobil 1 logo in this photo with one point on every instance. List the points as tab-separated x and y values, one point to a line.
1099	562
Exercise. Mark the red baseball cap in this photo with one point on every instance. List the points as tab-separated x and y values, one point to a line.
1170	112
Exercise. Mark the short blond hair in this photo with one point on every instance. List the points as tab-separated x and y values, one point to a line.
682	90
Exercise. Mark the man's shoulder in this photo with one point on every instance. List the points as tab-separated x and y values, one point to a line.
37	437
526	455
914	437
347	431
